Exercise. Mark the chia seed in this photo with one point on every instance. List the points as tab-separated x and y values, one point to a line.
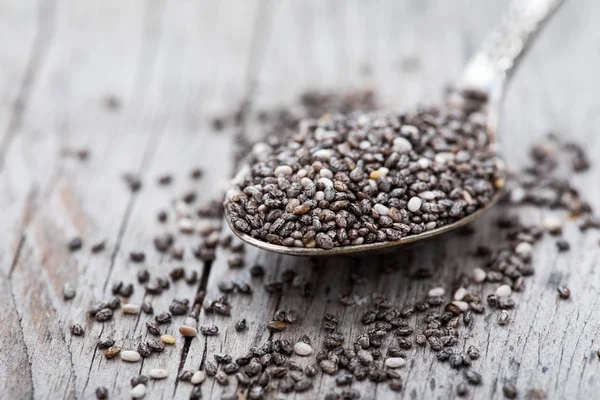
126	290
104	315
240	325
562	245
398	203
510	391
140	379
99	247
472	377
152	328
101	393
68	292
163	318
105	343
137	256
564	292
209	330
75	244
76	330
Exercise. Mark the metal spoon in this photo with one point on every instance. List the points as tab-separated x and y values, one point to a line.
489	71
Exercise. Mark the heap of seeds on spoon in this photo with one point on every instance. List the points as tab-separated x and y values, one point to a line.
293	364
359	178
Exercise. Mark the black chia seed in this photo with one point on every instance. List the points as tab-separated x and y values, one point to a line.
163	318
76	330
510	391
137	256
101	393
152	328
472	377
562	245
99	247
105	343
75	244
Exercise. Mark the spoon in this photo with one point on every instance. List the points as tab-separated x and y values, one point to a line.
488	72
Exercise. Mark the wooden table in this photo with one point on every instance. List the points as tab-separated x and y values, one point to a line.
175	65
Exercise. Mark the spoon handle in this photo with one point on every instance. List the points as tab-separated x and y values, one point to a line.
491	68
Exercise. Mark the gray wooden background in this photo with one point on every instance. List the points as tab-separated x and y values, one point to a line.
175	64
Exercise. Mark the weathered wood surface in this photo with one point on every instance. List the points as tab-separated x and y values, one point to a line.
173	65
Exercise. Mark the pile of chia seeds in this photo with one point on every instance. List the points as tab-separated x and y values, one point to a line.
359	178
388	333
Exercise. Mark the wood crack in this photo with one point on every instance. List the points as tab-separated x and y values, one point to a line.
89	374
15	261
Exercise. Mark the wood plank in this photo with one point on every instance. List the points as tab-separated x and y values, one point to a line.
167	88
20	61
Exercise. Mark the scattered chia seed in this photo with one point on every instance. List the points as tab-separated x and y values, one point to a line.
162	216
101	393
455	360
143	350
68	292
112	352
562	245
165	180
116	287
191	278
143	276
564	292
276	326
147	307
76	330
179	307
510	391
472	377
152	328
222	378
105	343
473	352
196	173
503	317
155	345
126	290
168	339
104	315
114	303
140	379
99	247
209	330
240	325
163	318
75	244
137	256
196	393
133	182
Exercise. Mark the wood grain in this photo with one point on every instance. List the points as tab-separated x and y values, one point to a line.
173	66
